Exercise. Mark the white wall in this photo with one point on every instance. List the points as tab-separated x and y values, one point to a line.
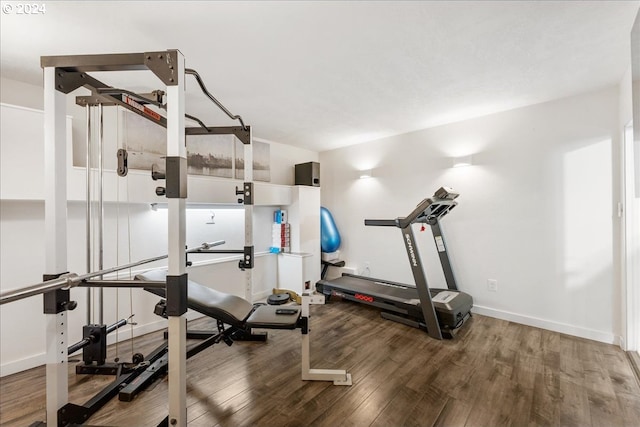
535	211
19	93
133	231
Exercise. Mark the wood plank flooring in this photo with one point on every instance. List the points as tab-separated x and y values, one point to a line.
495	373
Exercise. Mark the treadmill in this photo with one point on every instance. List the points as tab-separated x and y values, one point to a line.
440	312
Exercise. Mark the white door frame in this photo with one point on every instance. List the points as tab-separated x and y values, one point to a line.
630	246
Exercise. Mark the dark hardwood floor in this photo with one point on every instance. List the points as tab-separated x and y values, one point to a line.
495	373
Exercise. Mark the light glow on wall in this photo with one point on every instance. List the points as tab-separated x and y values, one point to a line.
587	214
462	161
364	174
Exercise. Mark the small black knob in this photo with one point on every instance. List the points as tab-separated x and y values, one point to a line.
161	191
156	173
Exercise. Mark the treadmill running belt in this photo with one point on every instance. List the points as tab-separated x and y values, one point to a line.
375	288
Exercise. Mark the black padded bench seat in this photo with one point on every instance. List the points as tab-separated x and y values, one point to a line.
230	309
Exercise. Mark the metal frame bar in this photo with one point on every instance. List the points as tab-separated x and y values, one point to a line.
445	262
338	376
163	64
100	208
88	210
74	414
122	284
110	100
86	341
98	62
55	147
158	367
169	67
428	310
176	148
248	218
71	280
244	135
195	74
65	281
62	75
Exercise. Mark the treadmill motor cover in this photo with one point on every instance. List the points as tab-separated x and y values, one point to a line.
452	307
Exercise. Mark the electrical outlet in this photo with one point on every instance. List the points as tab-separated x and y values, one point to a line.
492	285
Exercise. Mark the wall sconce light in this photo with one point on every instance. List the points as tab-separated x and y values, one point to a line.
459	162
365	174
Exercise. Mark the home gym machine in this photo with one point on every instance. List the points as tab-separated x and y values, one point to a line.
438	311
63	75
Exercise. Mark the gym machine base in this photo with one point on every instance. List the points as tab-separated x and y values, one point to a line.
440	312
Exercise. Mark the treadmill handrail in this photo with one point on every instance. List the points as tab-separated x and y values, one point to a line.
401	222
381	222
422	213
411	218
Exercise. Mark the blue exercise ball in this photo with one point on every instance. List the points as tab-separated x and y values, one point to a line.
329	235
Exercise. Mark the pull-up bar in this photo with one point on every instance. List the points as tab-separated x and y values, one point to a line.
195	74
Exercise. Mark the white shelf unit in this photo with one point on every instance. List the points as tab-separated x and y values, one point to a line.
300	269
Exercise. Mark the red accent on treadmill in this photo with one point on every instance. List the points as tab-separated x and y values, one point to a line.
365	298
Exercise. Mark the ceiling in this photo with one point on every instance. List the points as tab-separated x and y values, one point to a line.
326	74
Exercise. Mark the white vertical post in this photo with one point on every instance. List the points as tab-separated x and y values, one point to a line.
338	376
55	218
248	217
306	345
177	240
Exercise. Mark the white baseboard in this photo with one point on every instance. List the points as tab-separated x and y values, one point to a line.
577	331
124	333
16	366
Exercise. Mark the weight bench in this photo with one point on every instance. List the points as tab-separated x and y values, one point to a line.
229	309
236	318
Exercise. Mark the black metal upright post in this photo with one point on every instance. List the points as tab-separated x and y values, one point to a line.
444	257
428	311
